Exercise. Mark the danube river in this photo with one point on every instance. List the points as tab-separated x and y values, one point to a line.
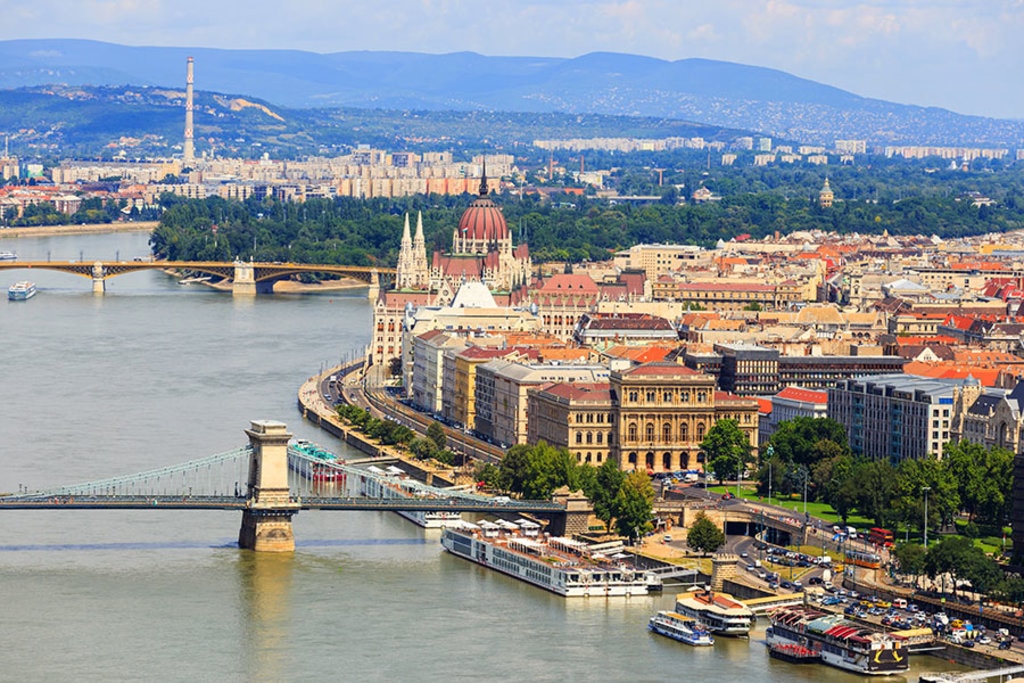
154	373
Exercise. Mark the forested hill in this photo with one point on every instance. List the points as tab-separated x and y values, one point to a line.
714	92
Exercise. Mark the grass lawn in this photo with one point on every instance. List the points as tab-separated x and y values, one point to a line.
819	510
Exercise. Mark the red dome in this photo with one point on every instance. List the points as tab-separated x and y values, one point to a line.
483	220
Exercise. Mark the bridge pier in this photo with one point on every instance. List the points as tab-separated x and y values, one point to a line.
244	282
267	519
99	282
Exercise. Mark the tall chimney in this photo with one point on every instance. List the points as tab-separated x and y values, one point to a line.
189	155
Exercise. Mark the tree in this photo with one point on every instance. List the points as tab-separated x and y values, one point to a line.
800	440
983	478
633	505
608	481
704	535
436	433
956	557
910	558
726	448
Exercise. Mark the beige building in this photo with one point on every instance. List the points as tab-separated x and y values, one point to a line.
576	417
502	387
663	411
657	259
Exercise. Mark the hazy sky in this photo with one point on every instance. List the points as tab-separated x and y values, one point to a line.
964	55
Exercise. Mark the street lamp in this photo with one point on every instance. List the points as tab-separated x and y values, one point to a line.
925	490
805	473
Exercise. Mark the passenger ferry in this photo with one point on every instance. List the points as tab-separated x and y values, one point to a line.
839	642
21	291
563	566
8	256
394	482
325	466
719	612
677	627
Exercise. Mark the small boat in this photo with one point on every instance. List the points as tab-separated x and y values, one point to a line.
21	291
793	653
8	256
720	612
677	627
194	280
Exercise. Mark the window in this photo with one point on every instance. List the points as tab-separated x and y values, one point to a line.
700	431
650	397
649	431
579	437
600	438
631	431
590	438
684	431
666	432
633	396
666	397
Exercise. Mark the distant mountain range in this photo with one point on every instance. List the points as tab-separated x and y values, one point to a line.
717	93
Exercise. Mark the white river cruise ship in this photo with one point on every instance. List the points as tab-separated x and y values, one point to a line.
563	566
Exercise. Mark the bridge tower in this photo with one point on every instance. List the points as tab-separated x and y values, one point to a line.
244	283
99	284
267	520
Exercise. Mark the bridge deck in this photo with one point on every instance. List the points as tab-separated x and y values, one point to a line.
234	503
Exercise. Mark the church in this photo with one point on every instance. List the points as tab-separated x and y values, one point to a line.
482	251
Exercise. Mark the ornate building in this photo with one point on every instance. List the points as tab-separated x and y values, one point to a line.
482	251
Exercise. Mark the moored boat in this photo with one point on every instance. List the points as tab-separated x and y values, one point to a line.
318	465
563	566
837	641
793	653
719	612
394	482
21	291
8	256
678	627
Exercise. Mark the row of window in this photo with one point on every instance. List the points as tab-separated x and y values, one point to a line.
668	396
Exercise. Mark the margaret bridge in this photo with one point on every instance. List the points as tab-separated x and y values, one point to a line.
269	480
246	277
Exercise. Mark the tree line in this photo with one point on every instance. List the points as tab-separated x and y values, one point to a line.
569	228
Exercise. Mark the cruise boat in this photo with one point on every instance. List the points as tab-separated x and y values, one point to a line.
677	627
8	256
325	466
563	566
394	482
21	291
719	612
839	642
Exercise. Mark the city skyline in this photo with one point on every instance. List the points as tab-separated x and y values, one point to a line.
946	53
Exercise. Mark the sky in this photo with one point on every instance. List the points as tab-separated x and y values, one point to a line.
963	55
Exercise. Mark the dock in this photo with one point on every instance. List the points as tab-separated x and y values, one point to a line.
763	605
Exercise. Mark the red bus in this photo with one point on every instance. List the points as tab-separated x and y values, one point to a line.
880	537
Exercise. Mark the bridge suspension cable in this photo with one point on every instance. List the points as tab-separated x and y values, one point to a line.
215	474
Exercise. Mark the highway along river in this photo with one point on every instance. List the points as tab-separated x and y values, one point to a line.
155	373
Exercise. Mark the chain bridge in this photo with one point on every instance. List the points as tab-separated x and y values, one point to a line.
246	277
269	481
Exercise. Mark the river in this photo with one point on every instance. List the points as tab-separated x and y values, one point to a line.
155	373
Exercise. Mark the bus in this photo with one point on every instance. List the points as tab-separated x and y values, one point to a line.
863	559
880	537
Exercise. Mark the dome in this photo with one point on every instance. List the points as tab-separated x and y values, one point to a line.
482	219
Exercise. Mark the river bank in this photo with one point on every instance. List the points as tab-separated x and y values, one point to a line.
81	229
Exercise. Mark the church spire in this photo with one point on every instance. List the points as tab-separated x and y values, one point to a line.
483	180
420	273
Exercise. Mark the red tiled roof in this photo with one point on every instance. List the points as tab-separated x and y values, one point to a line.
805	395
